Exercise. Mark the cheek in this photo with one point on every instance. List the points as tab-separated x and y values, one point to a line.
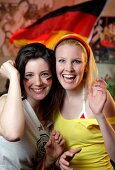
26	83
48	82
78	69
81	69
58	69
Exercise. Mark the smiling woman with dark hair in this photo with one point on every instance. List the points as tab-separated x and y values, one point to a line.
26	109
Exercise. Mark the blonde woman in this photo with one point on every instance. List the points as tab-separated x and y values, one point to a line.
86	116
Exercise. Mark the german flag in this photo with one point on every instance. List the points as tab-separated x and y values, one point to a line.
78	19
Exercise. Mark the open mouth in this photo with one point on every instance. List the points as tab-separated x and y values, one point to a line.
68	78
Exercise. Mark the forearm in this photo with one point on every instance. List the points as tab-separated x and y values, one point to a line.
12	116
108	134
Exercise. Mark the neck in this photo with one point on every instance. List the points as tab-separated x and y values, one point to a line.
76	93
34	104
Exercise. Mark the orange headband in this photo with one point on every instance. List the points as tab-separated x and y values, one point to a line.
77	38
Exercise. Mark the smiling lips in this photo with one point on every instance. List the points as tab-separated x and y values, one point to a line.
68	78
38	91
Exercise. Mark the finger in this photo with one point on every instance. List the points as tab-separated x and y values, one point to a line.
97	90
53	132
100	80
77	150
48	144
62	142
65	167
12	62
63	162
99	87
73	152
100	83
58	139
57	135
52	135
68	154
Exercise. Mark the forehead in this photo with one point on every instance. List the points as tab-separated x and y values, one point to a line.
71	52
72	42
69	49
36	64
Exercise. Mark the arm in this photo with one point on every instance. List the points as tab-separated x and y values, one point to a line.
11	112
54	148
102	105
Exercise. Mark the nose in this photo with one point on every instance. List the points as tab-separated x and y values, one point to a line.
69	67
38	80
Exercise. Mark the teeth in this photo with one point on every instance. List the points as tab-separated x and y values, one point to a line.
69	76
37	90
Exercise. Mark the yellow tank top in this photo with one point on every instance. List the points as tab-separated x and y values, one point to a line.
85	134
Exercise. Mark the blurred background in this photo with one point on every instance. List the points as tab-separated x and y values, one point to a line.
16	14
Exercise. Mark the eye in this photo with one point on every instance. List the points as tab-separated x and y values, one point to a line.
77	61
45	75
61	60
28	76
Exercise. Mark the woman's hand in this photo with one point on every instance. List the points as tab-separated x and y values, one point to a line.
97	96
8	69
54	148
66	157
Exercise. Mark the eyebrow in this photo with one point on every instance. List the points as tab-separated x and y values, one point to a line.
28	72
45	71
40	71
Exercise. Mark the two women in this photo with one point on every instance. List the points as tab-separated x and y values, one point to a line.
85	110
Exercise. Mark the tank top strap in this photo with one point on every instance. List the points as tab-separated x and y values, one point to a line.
83	113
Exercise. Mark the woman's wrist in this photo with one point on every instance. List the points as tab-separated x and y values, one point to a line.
57	163
48	162
100	118
15	76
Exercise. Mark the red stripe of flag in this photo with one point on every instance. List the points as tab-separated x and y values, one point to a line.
78	19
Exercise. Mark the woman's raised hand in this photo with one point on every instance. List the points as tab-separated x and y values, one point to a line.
54	147
8	69
97	96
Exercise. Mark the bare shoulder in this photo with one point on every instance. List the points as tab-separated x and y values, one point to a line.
109	108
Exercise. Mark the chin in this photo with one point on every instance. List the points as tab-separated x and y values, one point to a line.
40	97
68	87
